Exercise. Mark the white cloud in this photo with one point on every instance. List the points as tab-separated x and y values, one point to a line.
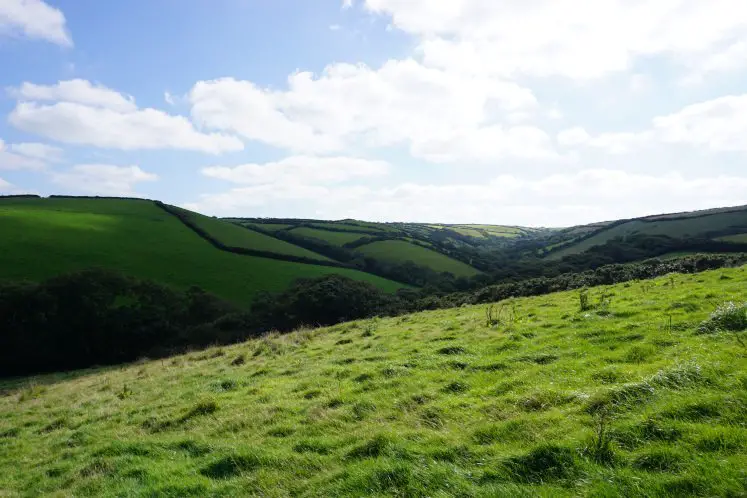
439	114
42	152
34	19
75	123
717	125
12	161
346	4
102	179
303	170
169	98
84	113
335	27
612	143
559	200
78	91
732	58
5	186
579	39
243	108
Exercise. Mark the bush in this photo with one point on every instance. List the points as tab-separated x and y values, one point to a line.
97	317
729	317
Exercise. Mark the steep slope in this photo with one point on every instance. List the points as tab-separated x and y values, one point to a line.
399	251
334	238
708	224
233	235
443	241
46	237
628	398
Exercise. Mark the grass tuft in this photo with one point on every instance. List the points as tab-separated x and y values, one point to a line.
548	462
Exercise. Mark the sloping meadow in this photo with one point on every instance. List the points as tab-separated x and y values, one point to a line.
641	393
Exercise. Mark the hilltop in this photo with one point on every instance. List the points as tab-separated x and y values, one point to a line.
45	237
638	394
722	224
239	258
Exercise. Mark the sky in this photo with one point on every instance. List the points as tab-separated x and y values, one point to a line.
520	112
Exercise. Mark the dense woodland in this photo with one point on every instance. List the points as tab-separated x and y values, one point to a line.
97	317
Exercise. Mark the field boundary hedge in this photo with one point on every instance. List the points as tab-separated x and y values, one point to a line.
243	250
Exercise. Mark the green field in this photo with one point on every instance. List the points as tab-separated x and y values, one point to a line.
739	238
616	401
369	227
469	232
47	237
333	238
398	251
481	231
236	236
273	227
678	228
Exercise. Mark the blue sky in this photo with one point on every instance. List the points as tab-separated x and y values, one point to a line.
479	111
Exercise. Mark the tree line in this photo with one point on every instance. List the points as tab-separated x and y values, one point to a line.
98	317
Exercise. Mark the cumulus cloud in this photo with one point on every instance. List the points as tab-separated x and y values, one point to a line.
579	39
439	114
42	152
732	58
306	170
78	91
87	114
102	179
11	160
33	19
717	125
560	199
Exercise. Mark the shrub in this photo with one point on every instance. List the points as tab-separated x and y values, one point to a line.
583	300
600	447
729	316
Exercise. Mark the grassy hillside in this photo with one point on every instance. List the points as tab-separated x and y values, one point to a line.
272	227
697	224
480	234
233	235
353	226
627	399
47	237
740	238
334	238
399	251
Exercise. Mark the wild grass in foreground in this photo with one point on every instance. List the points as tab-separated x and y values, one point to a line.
643	393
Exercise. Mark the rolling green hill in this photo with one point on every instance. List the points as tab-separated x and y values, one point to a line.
740	237
444	250
399	251
633	397
47	237
231	234
334	238
699	224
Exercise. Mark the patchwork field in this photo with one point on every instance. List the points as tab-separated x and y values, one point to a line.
687	227
236	236
740	238
334	238
640	394
399	251
270	226
47	237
